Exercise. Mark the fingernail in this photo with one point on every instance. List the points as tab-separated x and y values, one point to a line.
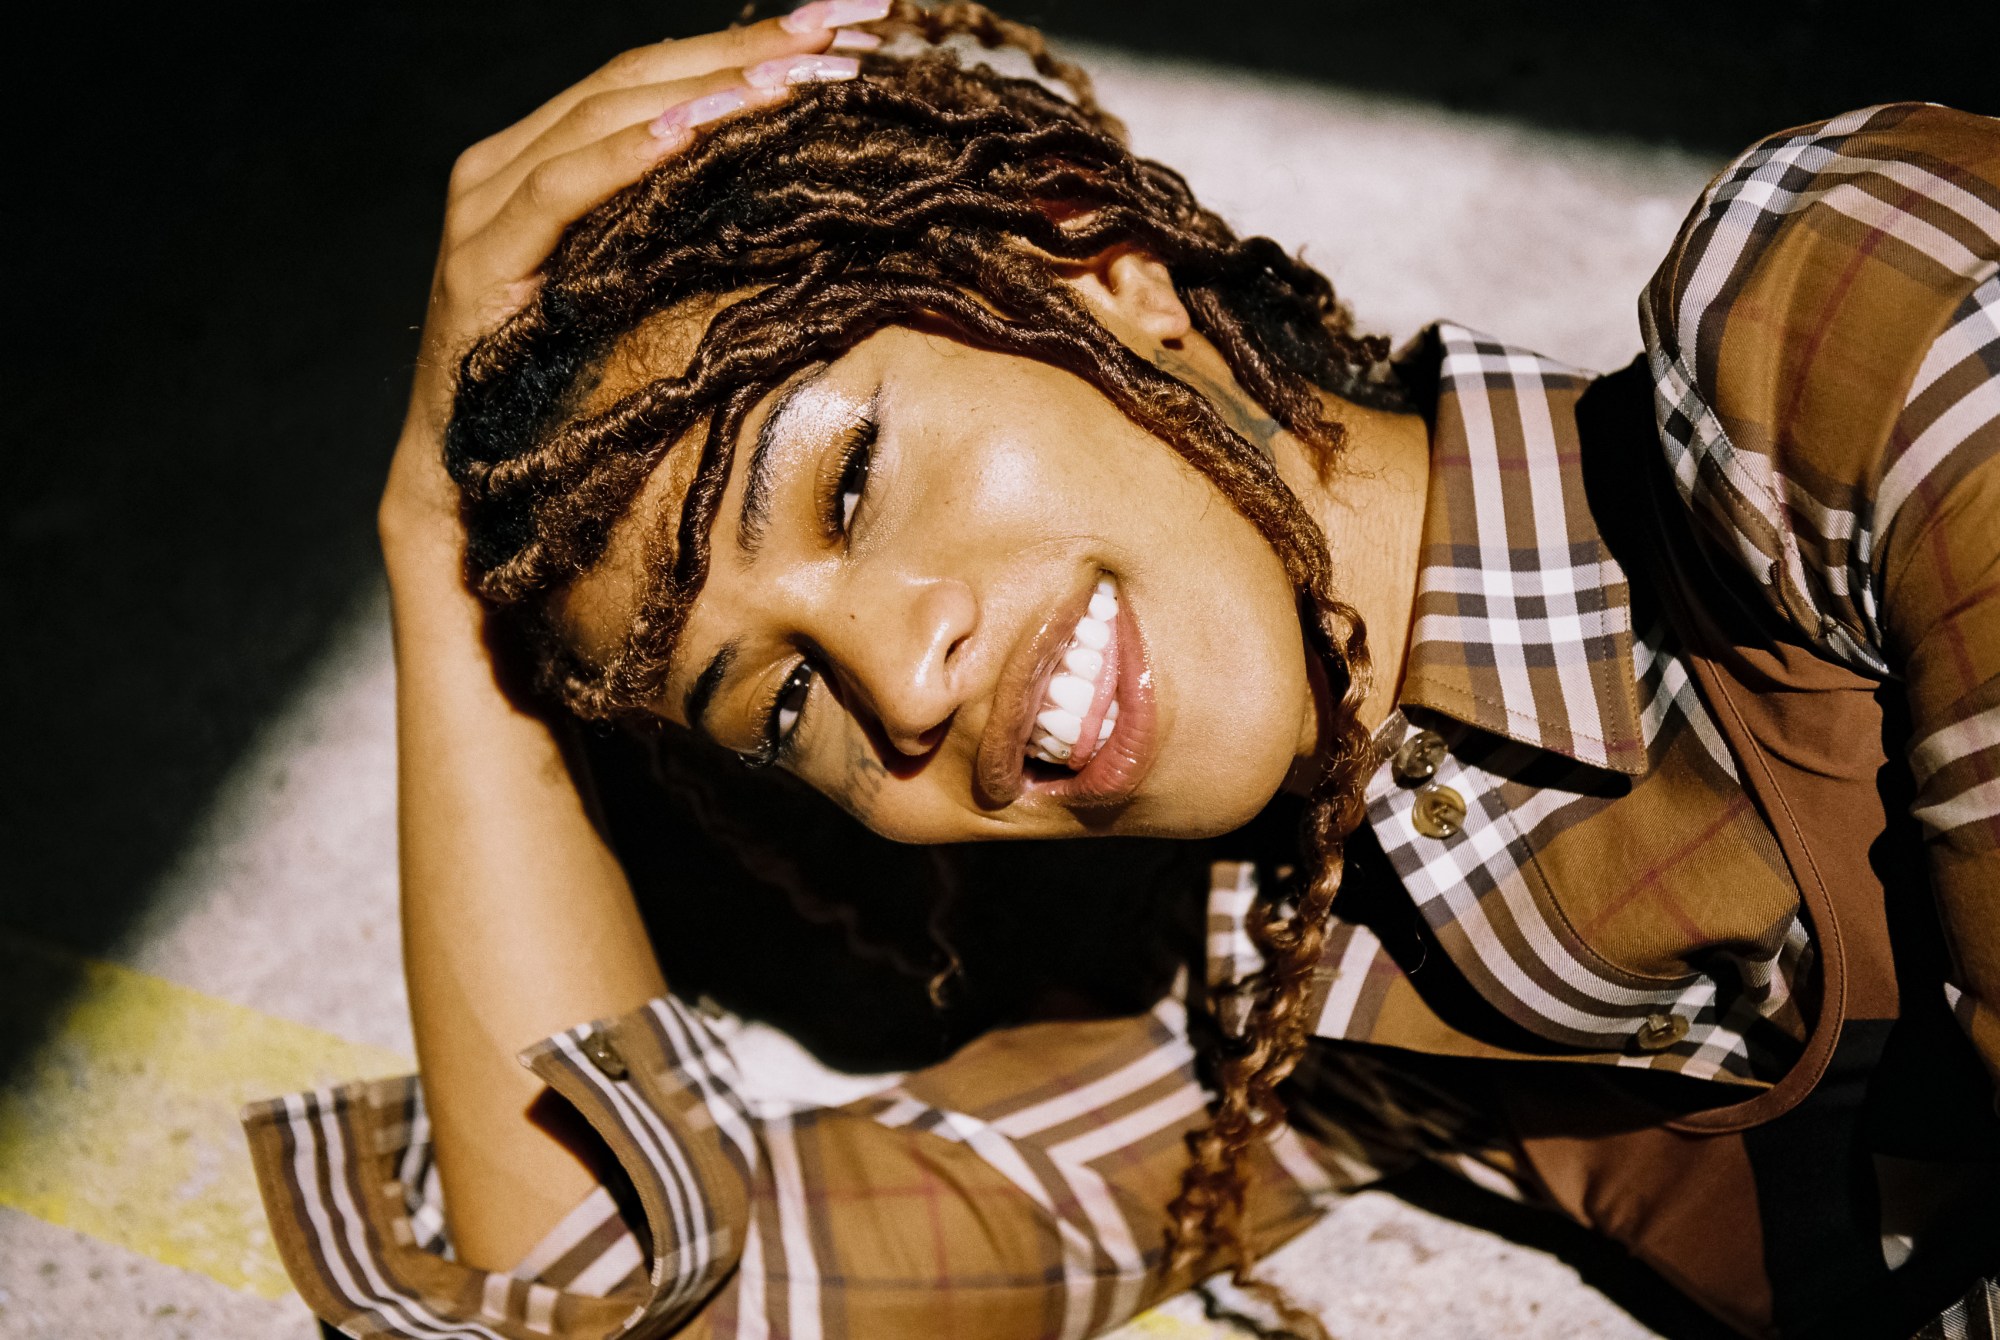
854	39
664	139
800	70
698	112
823	14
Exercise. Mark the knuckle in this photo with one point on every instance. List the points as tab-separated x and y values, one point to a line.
541	187
631	66
471	166
594	115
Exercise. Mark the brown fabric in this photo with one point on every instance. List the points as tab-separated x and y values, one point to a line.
1605	1159
1822	341
1691	819
1581	902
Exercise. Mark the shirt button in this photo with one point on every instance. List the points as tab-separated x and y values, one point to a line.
1660	1031
1439	812
604	1055
1417	759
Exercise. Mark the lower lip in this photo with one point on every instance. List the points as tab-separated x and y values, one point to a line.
1126	756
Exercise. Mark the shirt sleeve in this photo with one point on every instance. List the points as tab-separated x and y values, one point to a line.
1825	345
1017	1189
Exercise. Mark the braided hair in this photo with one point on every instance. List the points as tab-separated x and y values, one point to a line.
924	191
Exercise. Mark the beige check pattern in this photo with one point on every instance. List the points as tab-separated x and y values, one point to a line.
1825	343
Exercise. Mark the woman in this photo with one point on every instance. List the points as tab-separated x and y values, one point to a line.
868	416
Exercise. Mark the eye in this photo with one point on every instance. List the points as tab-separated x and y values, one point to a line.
791	702
857	455
781	720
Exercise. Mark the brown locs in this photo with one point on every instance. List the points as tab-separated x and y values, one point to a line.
923	193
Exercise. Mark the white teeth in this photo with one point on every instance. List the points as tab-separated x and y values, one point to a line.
1072	690
1065	726
1071	693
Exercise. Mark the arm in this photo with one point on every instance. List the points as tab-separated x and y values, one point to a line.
1825	339
1018	1189
1940	584
517	920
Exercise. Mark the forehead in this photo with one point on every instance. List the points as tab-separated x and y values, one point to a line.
596	610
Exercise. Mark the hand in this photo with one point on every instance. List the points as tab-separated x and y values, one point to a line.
512	194
517	918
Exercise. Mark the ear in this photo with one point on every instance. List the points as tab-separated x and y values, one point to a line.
1132	293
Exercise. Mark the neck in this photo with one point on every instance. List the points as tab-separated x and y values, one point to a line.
1371	508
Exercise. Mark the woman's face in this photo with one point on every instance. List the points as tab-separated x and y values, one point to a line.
938	570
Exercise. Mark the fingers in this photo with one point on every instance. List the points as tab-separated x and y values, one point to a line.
587	121
525	227
805	31
513	195
677	107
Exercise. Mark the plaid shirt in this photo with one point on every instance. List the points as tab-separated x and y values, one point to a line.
1825	344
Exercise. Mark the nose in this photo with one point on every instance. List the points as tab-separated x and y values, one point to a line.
898	647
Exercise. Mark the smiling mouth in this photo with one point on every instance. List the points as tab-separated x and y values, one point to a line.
1079	707
1074	720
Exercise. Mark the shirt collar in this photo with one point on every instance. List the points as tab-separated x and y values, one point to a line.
1523	622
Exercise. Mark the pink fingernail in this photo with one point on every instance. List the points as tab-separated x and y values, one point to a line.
698	112
823	14
800	70
854	39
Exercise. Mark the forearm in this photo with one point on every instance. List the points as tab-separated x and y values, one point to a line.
517	920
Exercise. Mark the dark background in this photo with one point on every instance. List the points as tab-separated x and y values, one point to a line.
221	230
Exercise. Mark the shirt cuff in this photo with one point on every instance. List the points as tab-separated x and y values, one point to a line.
357	1214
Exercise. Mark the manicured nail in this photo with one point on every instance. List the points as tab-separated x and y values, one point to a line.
662	141
697	112
800	70
854	39
823	14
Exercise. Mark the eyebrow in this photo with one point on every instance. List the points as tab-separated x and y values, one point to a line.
702	692
757	486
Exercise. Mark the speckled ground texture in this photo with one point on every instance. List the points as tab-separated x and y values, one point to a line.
1415	214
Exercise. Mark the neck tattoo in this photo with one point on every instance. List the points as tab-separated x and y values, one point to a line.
1244	416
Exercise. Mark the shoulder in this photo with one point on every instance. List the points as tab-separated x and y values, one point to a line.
1906	189
1790	324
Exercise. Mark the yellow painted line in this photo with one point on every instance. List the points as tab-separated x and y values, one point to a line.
1162	1325
123	1124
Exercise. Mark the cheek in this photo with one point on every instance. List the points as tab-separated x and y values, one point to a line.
1231	663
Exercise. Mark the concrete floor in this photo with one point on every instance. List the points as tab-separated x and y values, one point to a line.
271	942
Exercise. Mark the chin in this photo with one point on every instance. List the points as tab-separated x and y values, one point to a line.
1203	811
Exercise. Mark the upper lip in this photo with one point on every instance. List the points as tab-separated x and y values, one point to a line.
997	775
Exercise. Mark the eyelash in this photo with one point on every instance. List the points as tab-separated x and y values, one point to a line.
857	455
